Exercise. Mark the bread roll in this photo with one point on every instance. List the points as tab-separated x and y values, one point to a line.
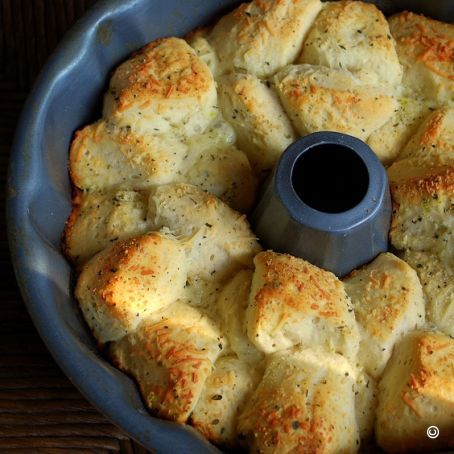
425	49
163	88
263	36
318	98
101	218
293	302
388	302
128	281
434	139
171	356
263	129
423	205
353	36
304	403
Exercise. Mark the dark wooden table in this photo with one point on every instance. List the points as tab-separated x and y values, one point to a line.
40	410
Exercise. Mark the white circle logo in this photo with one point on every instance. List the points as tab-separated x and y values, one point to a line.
433	432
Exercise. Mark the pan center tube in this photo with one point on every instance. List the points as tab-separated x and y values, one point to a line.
330	178
328	202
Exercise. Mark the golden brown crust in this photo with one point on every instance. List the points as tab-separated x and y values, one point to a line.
294	302
388	301
165	88
417	391
164	69
104	157
99	219
171	357
67	236
426	51
304	404
317	98
126	282
423	205
416	183
434	139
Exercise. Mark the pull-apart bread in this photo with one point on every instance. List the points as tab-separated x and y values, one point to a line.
256	349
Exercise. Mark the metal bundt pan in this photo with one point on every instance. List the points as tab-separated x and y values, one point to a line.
66	96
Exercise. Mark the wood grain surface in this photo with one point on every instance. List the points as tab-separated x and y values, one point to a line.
40	410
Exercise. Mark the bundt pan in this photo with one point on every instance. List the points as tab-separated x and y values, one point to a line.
67	95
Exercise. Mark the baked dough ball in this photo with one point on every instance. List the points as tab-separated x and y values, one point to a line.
304	403
318	98
389	302
170	356
128	281
163	88
215	165
98	219
218	240
225	392
417	391
263	129
365	404
231	313
437	278
293	302
423	205
104	157
388	141
353	36
426	51
434	139
263	36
